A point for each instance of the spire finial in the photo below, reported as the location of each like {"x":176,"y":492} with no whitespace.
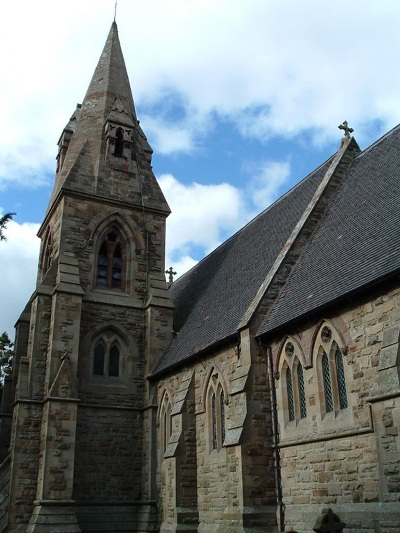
{"x":115,"y":9}
{"x":345,"y":127}
{"x":171,"y":274}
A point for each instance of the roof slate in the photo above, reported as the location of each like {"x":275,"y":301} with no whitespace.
{"x":212,"y":297}
{"x":357,"y":243}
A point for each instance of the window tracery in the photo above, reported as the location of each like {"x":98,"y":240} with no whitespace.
{"x":165,"y":421}
{"x":331,"y":369}
{"x":215,"y":407}
{"x":111,"y":261}
{"x":294,"y":400}
{"x":106,"y":356}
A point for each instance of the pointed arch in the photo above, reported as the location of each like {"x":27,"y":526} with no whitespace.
{"x":165,"y":421}
{"x":47,"y":251}
{"x":111,"y":260}
{"x":108,"y":354}
{"x":215,"y":401}
{"x":328,"y":355}
{"x":119,"y":142}
{"x":291,"y":364}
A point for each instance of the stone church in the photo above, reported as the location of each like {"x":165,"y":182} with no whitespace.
{"x":257,"y":393}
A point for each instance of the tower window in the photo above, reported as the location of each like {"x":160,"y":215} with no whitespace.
{"x":110,"y":262}
{"x":106,"y":359}
{"x":119,"y":142}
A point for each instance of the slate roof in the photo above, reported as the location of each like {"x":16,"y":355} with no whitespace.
{"x":212,"y":297}
{"x":358,"y":242}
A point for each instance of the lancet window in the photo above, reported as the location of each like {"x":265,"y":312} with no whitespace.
{"x":165,"y":421}
{"x":47,"y":252}
{"x":111,"y":261}
{"x":294,"y":394}
{"x":107,"y":357}
{"x":331,"y":369}
{"x":215,"y":406}
{"x":119,"y":142}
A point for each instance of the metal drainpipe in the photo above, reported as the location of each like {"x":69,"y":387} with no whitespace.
{"x":275,"y":444}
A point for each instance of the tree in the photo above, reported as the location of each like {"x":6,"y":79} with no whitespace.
{"x":3,"y":223}
{"x":6,"y":356}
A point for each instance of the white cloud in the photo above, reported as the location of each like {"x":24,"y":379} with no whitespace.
{"x":19,"y":262}
{"x":271,"y":67}
{"x":266,"y":182}
{"x":203,"y":216}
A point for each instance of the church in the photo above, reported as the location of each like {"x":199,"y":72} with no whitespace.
{"x":257,"y":393}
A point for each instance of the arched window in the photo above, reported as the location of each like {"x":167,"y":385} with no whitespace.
{"x":327,"y":384}
{"x":106,"y":357}
{"x":98,"y":359}
{"x":215,"y":406}
{"x":341,"y":379}
{"x":119,"y":142}
{"x":47,"y":253}
{"x":331,"y":369}
{"x":111,"y":262}
{"x":165,"y":422}
{"x":294,"y":399}
{"x":290,"y":396}
{"x":302,"y":393}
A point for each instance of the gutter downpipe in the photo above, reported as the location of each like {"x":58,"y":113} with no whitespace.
{"x":275,"y":443}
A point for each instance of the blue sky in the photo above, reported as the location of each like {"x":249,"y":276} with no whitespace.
{"x":240,"y":99}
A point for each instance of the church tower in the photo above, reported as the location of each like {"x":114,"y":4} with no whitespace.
{"x":82,"y":437}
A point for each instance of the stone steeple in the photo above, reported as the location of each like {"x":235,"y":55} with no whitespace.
{"x":104,"y":138}
{"x":96,"y":325}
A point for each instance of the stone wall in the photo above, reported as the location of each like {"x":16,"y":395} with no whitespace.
{"x":348,"y":459}
{"x":234,"y":484}
{"x":108,"y":456}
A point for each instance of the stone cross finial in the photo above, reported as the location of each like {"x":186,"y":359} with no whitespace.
{"x":171,"y":274}
{"x":345,"y":127}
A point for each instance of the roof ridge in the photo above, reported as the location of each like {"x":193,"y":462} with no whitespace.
{"x":378,"y":141}
{"x":256,"y":217}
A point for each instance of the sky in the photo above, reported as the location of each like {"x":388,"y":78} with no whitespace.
{"x":239,"y":99}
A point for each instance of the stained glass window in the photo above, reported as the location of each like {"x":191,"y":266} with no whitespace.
{"x":110,"y":262}
{"x":341,"y":379}
{"x":302,"y":395}
{"x":289,"y":386}
{"x":222,"y":406}
{"x":327,"y":384}
{"x":214,"y":422}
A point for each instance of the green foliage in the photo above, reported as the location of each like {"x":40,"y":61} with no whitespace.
{"x":6,"y":355}
{"x":3,"y":223}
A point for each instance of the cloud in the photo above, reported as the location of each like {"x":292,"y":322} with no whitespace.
{"x":267,"y":181}
{"x":203,"y":216}
{"x":19,"y":261}
{"x":271,"y":68}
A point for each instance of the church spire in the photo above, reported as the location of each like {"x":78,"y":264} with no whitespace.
{"x":107,"y":139}
{"x":110,"y":81}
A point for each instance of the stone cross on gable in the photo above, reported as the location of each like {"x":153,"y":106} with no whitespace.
{"x":171,"y":274}
{"x":329,"y":523}
{"x":346,"y":129}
